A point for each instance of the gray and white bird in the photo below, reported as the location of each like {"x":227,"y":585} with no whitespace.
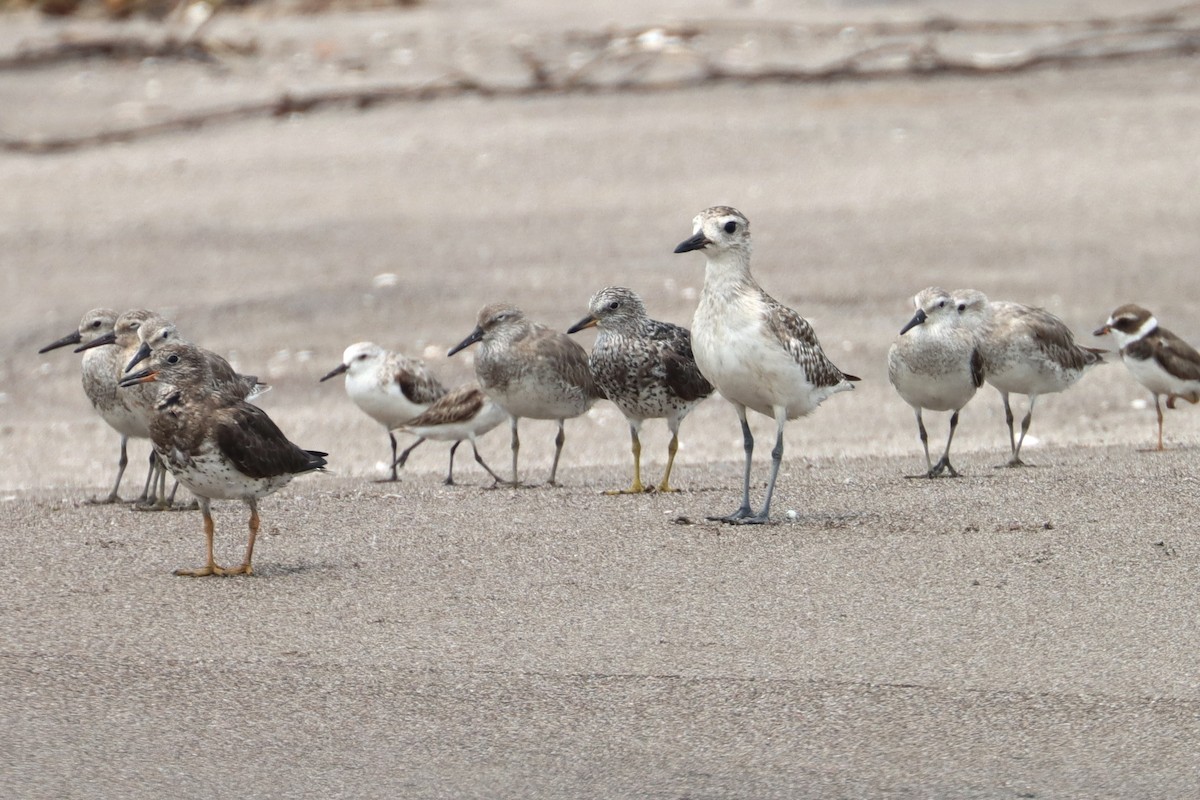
{"x":1029,"y":351}
{"x":935,"y":363}
{"x":532,"y":371}
{"x":645,"y":367}
{"x":1156,"y":358}
{"x":758,"y":353}
{"x":388,"y":387}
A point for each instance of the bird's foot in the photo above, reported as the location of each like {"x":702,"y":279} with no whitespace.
{"x":636,"y":488}
{"x":1012,"y":463}
{"x":664,"y":488}
{"x":203,"y":572}
{"x":244,"y":569}
{"x":743,"y":513}
{"x":393,"y":479}
{"x":104,"y":501}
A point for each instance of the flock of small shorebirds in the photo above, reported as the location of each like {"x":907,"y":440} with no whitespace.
{"x":757,"y":353}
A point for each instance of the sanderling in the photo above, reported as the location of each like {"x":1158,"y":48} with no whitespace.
{"x":101,"y":371}
{"x":389,"y":388}
{"x":758,"y":353}
{"x":645,"y":367}
{"x":935,"y":362}
{"x":219,"y":448}
{"x":1156,"y":358}
{"x":532,"y":371}
{"x":465,"y":413}
{"x":1029,"y":351}
{"x":157,"y":331}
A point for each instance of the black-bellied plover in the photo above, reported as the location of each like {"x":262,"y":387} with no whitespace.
{"x":532,"y":371}
{"x":388,"y":387}
{"x":935,"y":363}
{"x":757,"y":352}
{"x":645,"y":367}
{"x":1029,"y":351}
{"x":1156,"y":358}
{"x":100,"y":372}
{"x":464,"y":413}
{"x":220,"y":449}
{"x":157,"y":331}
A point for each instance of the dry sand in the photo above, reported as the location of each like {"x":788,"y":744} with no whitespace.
{"x":1011,"y":634}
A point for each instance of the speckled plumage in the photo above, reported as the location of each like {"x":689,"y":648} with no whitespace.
{"x":1156,"y":358}
{"x":758,"y":353}
{"x":935,"y":363}
{"x":1029,"y":351}
{"x":219,"y":448}
{"x":531,"y":370}
{"x":645,"y":367}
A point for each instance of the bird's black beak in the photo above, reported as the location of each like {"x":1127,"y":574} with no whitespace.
{"x":107,"y":338}
{"x":141,"y":355}
{"x":917,"y":319}
{"x":475,"y":336}
{"x":70,"y":338}
{"x":145,"y":376}
{"x":697,"y":242}
{"x":333,"y":373}
{"x":587,"y":322}
{"x":1102,"y":330}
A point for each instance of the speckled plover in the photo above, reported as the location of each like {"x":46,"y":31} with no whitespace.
{"x":758,"y":353}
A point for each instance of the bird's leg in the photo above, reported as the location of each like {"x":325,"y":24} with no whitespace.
{"x":210,"y":567}
{"x":1157,"y":408}
{"x":403,"y":459}
{"x":516,"y":448}
{"x":113,"y":497}
{"x":943,"y":464}
{"x":665,"y":486}
{"x":924,"y":434}
{"x":636,"y":487}
{"x":1008,"y":417}
{"x":450,"y":474}
{"x":482,"y":463}
{"x":150,"y":484}
{"x":245,"y":568}
{"x":395,"y":461}
{"x":764,"y":515}
{"x":1016,"y":459}
{"x":743,"y":510}
{"x":558,"y":446}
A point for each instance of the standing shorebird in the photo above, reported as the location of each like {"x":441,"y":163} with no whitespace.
{"x":758,"y":353}
{"x":219,"y":448}
{"x":645,"y":367}
{"x":532,"y":371}
{"x":157,"y":331}
{"x":1029,"y":351}
{"x":1156,"y":358}
{"x":389,"y":388}
{"x":465,"y":413}
{"x":935,"y":362}
{"x":100,"y":372}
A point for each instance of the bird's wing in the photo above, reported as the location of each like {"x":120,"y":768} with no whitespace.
{"x":256,"y":446}
{"x":673,"y":347}
{"x":797,"y":336}
{"x":1177,"y":356}
{"x":417,"y":383}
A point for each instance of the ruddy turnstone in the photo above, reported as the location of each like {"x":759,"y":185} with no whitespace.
{"x":532,"y":371}
{"x":758,"y":353}
{"x":465,"y":413}
{"x":101,"y":372}
{"x":219,"y":448}
{"x":645,"y":367}
{"x":1029,"y":351}
{"x":157,"y":331}
{"x":389,"y":388}
{"x":1156,"y":358}
{"x":935,"y":363}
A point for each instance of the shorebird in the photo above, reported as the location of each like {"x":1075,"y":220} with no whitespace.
{"x":1156,"y":358}
{"x":645,"y":367}
{"x":100,"y":372}
{"x":220,"y":449}
{"x":1029,"y":351}
{"x":757,"y":352}
{"x":157,"y":331}
{"x":465,"y":413}
{"x":935,"y":363}
{"x":389,"y":388}
{"x":532,"y":371}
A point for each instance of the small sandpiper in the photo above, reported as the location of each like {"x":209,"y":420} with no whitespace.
{"x":1156,"y":358}
{"x":757,"y":352}
{"x":532,"y":371}
{"x":157,"y":331}
{"x":465,"y":413}
{"x":100,"y":372}
{"x":388,"y":387}
{"x":220,"y":449}
{"x":1029,"y":351}
{"x":645,"y":367}
{"x":935,"y":363}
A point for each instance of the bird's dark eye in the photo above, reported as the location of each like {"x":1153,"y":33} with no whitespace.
{"x":942,"y":304}
{"x":962,"y":307}
{"x":172,"y":359}
{"x":730,"y":226}
{"x":614,"y":305}
{"x":96,"y":324}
